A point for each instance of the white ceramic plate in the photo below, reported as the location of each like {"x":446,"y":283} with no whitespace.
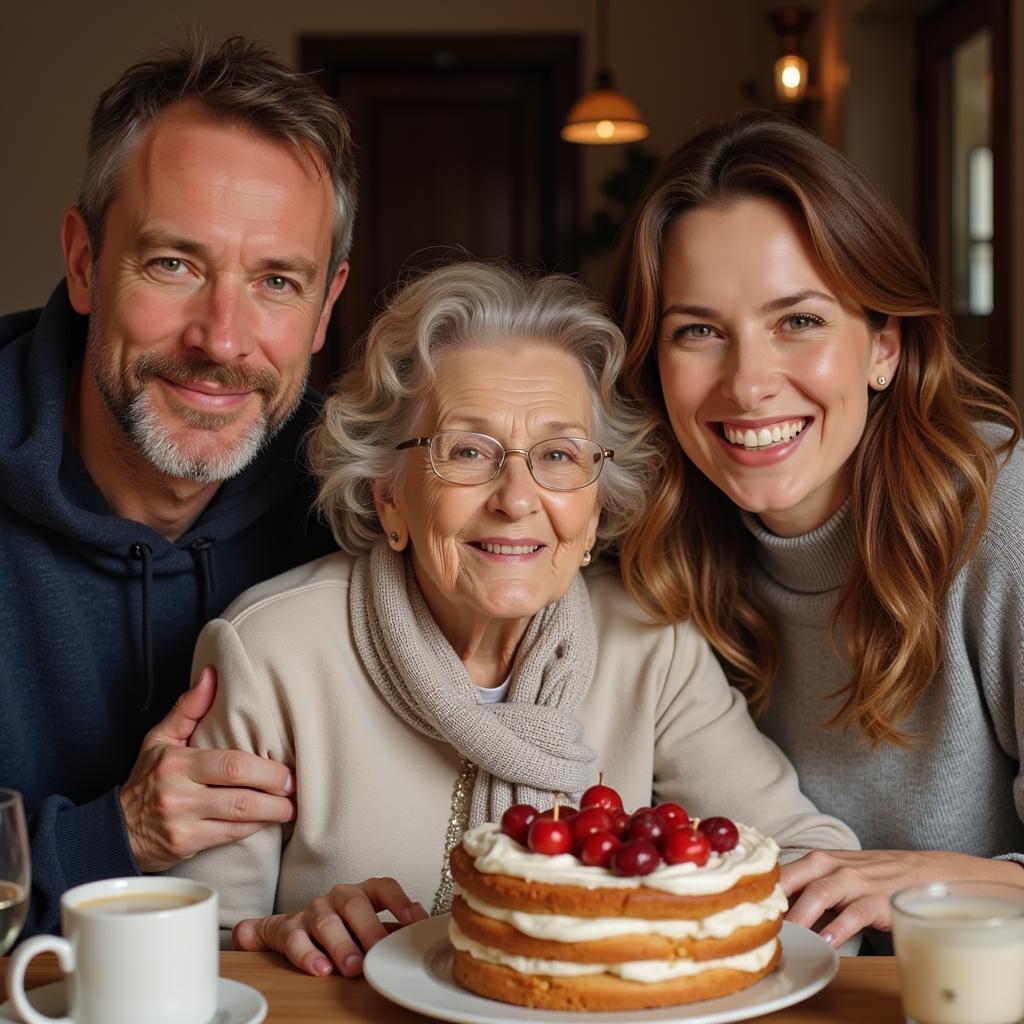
{"x":413,"y":967}
{"x":236,"y":1003}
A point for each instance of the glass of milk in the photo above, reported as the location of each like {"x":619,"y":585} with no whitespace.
{"x":960,"y":948}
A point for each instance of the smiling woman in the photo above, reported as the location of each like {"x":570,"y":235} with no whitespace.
{"x":841,"y":507}
{"x":754,"y":342}
{"x":452,"y":660}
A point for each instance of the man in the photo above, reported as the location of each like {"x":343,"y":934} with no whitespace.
{"x":150,"y":422}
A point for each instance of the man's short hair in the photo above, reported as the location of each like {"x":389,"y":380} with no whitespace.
{"x":238,"y":82}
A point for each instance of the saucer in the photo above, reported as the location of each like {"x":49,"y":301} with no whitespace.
{"x":236,"y":1003}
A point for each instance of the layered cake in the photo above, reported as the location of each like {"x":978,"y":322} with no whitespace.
{"x":548,"y":930}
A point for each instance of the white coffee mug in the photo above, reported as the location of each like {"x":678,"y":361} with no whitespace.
{"x":136,"y":951}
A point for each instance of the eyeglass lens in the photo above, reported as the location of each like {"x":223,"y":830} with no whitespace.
{"x":561,"y":463}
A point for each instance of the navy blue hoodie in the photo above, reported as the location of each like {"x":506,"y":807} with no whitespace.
{"x":98,"y":614}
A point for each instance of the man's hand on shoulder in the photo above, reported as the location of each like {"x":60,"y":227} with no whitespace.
{"x":178,"y":800}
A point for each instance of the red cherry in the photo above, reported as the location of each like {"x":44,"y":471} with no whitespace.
{"x":549,"y":837}
{"x":565,"y":811}
{"x":597,"y":849}
{"x":646,"y":825}
{"x":686,"y":846}
{"x":516,"y":821}
{"x":641,"y":810}
{"x":721,"y":832}
{"x":588,"y":821}
{"x":637,"y":857}
{"x":620,"y":822}
{"x":602,"y":796}
{"x":674,"y":815}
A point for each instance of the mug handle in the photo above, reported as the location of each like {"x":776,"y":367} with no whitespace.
{"x":16,"y":974}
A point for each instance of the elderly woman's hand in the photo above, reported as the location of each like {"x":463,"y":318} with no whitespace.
{"x":857,"y":884}
{"x":333,"y":931}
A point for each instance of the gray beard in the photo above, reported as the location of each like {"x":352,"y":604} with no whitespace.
{"x":172,"y":458}
{"x":132,"y":408}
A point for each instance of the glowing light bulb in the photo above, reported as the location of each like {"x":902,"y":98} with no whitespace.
{"x":604,"y":129}
{"x":790,"y":78}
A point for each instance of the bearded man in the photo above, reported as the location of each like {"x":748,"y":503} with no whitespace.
{"x":150,"y":466}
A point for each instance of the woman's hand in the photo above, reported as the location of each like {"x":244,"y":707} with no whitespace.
{"x":333,"y":931}
{"x":857,"y":884}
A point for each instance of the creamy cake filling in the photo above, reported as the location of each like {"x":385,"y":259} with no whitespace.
{"x":495,"y":853}
{"x":643,"y":971}
{"x":563,"y":928}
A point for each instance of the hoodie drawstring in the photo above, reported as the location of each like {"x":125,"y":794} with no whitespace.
{"x":202,"y":548}
{"x":145,"y":553}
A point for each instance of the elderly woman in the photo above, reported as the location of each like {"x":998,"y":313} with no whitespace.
{"x":452,"y":660}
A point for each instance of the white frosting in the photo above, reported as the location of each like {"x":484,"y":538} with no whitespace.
{"x":562,"y":928}
{"x":495,"y":853}
{"x":644,"y":971}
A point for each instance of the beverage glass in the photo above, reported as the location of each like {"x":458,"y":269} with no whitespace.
{"x":14,"y":868}
{"x":135,"y":951}
{"x":960,"y":948}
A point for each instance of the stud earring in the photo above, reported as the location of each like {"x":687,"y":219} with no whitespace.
{"x":394,"y":537}
{"x":586,"y":557}
{"x":881,"y":381}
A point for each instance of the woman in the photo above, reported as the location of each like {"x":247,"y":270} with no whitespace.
{"x":452,"y":661}
{"x":842,"y":513}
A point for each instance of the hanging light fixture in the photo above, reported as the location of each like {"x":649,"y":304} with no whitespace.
{"x":604,"y":116}
{"x":791,"y":67}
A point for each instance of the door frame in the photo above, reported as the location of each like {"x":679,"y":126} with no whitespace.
{"x":938,"y":34}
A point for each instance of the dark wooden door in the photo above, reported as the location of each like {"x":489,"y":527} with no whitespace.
{"x":458,"y":154}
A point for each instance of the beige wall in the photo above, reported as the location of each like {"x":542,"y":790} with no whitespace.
{"x":682,"y":61}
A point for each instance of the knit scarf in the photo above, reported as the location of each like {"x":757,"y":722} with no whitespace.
{"x":528,"y":747}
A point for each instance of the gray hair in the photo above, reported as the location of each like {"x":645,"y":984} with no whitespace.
{"x":237,"y":82}
{"x":377,"y":404}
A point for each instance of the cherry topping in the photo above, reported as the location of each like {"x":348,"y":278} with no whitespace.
{"x":646,"y":825}
{"x":565,"y":811}
{"x":721,"y":832}
{"x":516,"y":821}
{"x":549,"y":837}
{"x":620,"y":822}
{"x":597,"y":849}
{"x":686,"y":845}
{"x":602,"y":796}
{"x":674,"y":815}
{"x":588,"y":821}
{"x":637,"y":857}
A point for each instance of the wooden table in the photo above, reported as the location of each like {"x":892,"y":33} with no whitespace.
{"x":865,"y":989}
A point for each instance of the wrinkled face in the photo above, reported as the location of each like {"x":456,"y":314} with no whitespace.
{"x":765,"y":368}
{"x":207,"y":298}
{"x":521,"y":392}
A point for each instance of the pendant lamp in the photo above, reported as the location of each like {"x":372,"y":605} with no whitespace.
{"x":604,"y":117}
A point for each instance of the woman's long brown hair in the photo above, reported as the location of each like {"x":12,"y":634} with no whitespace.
{"x":921,"y":476}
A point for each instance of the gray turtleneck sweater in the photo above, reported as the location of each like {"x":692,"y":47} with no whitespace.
{"x":960,"y":787}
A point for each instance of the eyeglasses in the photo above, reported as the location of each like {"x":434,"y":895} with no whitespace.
{"x":467,"y":458}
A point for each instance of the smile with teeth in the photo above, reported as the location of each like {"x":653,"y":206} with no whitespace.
{"x":763,"y":436}
{"x":509,"y":549}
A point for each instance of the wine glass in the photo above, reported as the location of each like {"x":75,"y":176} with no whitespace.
{"x":14,"y":868}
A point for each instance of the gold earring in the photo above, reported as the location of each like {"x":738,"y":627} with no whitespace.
{"x":881,"y":381}
{"x":586,"y":557}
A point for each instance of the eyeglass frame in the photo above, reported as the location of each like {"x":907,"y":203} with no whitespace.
{"x":425,"y":442}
